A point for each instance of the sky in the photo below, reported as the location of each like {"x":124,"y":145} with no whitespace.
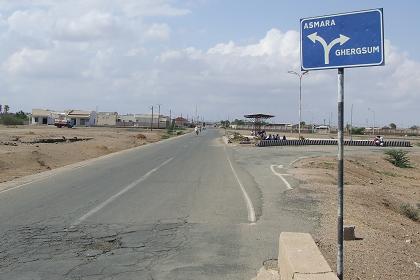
{"x":225,"y":58}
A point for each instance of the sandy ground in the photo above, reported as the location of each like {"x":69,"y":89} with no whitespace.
{"x":388,"y":243}
{"x":19,"y":157}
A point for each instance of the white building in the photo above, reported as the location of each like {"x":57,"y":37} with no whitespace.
{"x":43,"y":116}
{"x":143,"y":120}
{"x":106,"y":118}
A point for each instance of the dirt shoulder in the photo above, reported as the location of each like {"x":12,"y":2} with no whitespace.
{"x":23,"y":153}
{"x":388,"y":245}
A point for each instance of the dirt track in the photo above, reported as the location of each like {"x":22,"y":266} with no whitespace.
{"x":20,"y":155}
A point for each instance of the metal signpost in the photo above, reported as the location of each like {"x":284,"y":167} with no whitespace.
{"x":341,"y":41}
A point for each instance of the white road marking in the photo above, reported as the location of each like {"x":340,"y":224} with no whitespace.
{"x":115,"y":196}
{"x":281,"y":176}
{"x":27,"y":183}
{"x":299,"y":158}
{"x":249,"y":206}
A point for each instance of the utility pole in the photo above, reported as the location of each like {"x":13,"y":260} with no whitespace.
{"x":300,"y":75}
{"x":170,"y":118}
{"x":151,"y":121}
{"x":351,"y":123}
{"x":196,"y":113}
{"x":373,"y":127}
{"x":159,"y":114}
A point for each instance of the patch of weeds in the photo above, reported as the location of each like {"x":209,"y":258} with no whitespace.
{"x":409,"y":211}
{"x":140,"y":136}
{"x":179,"y":133}
{"x":418,"y":144}
{"x":389,"y":174}
{"x":165,"y":136}
{"x":398,"y":158}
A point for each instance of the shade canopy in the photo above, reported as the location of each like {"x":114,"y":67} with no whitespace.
{"x":257,"y":120}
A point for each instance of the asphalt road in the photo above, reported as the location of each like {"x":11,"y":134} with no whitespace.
{"x":187,"y":208}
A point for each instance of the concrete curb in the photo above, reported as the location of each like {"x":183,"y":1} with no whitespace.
{"x":299,"y":259}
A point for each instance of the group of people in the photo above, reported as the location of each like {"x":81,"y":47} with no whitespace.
{"x":379,"y":140}
{"x":275,"y":137}
{"x":263,"y":135}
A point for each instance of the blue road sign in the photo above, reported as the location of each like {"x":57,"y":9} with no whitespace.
{"x":343,"y":40}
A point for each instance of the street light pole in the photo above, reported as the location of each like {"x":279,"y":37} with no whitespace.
{"x":300,"y":75}
{"x":373,"y":128}
{"x":158,"y":115}
{"x":151,"y":121}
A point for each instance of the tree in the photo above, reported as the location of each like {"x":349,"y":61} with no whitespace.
{"x":6,"y":109}
{"x":238,"y":122}
{"x":21,"y":115}
{"x":358,"y":130}
{"x":1,"y":108}
{"x":225,"y":123}
{"x":414,"y":127}
{"x":393,"y":126}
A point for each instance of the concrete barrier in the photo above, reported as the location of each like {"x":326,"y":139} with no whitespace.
{"x":295,"y":142}
{"x":300,"y":258}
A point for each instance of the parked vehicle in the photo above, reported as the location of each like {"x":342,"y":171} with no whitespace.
{"x":62,"y":121}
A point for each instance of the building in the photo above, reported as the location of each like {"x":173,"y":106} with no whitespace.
{"x":43,"y":116}
{"x":143,"y":120}
{"x":180,"y":121}
{"x":106,"y":118}
{"x":124,"y":120}
{"x":81,"y":118}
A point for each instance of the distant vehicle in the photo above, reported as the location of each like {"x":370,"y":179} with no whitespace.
{"x":62,"y":121}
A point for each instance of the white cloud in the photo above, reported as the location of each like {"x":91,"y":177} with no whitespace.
{"x":93,"y":25}
{"x":158,"y":31}
{"x":117,"y":55}
{"x":25,"y":60}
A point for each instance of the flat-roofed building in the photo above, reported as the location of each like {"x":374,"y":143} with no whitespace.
{"x":43,"y":116}
{"x":80,"y":117}
{"x":106,"y":118}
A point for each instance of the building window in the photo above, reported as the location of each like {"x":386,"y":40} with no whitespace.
{"x":44,"y":120}
{"x":36,"y":119}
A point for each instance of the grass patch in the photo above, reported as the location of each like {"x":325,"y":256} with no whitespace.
{"x":398,"y":158}
{"x":409,"y":211}
{"x":388,"y":174}
{"x":165,"y":136}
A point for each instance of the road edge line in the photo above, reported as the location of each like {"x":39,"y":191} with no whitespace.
{"x":40,"y":176}
{"x":248,"y":202}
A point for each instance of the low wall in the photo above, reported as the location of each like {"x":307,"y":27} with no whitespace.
{"x":296,"y":142}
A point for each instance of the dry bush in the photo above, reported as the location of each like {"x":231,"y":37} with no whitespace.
{"x":140,"y":136}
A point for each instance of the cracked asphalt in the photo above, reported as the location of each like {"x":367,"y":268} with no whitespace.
{"x":186,"y":220}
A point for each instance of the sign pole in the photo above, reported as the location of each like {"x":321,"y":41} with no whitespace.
{"x":340,"y":179}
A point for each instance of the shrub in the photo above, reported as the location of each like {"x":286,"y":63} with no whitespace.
{"x":165,"y":136}
{"x":358,"y":130}
{"x":8,"y":119}
{"x":409,"y":211}
{"x":398,"y":158}
{"x":140,"y":136}
{"x":179,"y":133}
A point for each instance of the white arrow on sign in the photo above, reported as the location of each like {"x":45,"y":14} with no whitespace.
{"x":340,"y":40}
